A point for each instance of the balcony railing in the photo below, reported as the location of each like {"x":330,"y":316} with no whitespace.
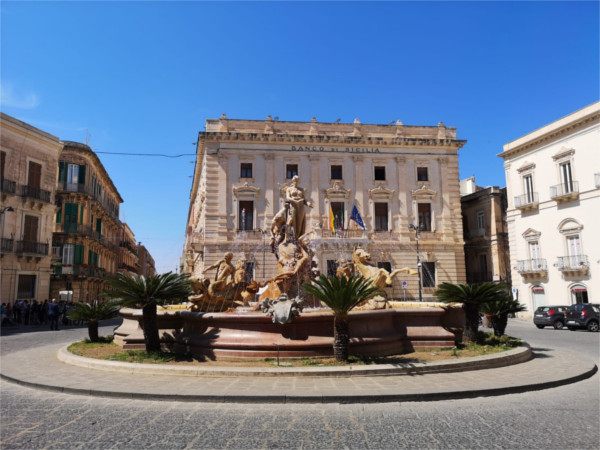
{"x":35,"y":193}
{"x":79,"y":270}
{"x":573,"y":263}
{"x":8,"y":186}
{"x":32,"y":248}
{"x":7,"y":245}
{"x":111,"y":209}
{"x":564,"y":191}
{"x":85,"y":230}
{"x":531,"y":266}
{"x":527,"y":201}
{"x":479,"y":232}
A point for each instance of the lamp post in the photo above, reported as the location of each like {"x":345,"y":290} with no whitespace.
{"x":416,"y":229}
{"x":264,"y":233}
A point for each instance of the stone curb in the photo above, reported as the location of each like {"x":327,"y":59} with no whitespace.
{"x":496,"y":360}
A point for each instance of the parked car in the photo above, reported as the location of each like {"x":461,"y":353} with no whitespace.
{"x":583,"y":315}
{"x":550,"y":315}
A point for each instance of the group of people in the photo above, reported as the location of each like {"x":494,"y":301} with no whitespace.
{"x":24,"y":312}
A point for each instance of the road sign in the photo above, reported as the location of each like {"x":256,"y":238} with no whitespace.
{"x":404,"y":284}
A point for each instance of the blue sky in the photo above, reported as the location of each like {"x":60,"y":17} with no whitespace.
{"x":142,"y":77}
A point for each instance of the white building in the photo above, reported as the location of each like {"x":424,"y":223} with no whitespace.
{"x":553,"y":188}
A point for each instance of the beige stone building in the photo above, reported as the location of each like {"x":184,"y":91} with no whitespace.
{"x":146,"y":261}
{"x":395,"y":175}
{"x":28,"y":171}
{"x":87,"y":230}
{"x":553,"y":189}
{"x":129,"y":262}
{"x":487,"y":256}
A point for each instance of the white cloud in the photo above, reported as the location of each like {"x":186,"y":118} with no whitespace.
{"x":12,"y":98}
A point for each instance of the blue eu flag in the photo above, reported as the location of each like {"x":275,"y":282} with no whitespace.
{"x":356,"y":217}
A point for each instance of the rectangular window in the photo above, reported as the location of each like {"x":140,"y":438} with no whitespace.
{"x":332,"y":266}
{"x":428,"y":274}
{"x":422,"y":174}
{"x":34,"y":177}
{"x":291,"y":170}
{"x":483,"y":266}
{"x":338,"y":215}
{"x":534,"y":250}
{"x":379,"y":173}
{"x":71,"y":217}
{"x":26,"y":288}
{"x":565,"y":177}
{"x":336,"y":172}
{"x":480,"y":220}
{"x":72,"y":177}
{"x":425,"y":216}
{"x":30,"y":229}
{"x":78,"y":254}
{"x":385,"y":265}
{"x":246,"y":170}
{"x":381,"y":217}
{"x":68,"y":254}
{"x":528,"y":185}
{"x":246,"y":216}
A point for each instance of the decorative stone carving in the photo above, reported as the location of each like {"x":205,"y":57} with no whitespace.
{"x":246,"y":190}
{"x":337,"y":191}
{"x":283,"y":310}
{"x":424,"y":193}
{"x":381,"y":193}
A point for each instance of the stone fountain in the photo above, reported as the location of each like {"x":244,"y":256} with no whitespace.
{"x":276,"y":323}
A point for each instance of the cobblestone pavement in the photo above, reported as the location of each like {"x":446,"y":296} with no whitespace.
{"x":565,"y":417}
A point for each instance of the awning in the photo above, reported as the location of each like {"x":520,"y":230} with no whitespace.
{"x":579,"y":290}
{"x":538,"y":289}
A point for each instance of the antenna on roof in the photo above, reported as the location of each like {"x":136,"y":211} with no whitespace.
{"x":337,"y":120}
{"x":88,"y":136}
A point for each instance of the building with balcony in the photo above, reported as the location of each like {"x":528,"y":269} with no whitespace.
{"x":129,"y":263}
{"x":487,"y":256}
{"x":145,"y":261}
{"x":395,"y":175}
{"x":553,"y":200}
{"x":28,"y":170}
{"x":87,"y":230}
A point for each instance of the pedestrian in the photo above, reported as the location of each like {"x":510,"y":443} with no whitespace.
{"x":53,"y":313}
{"x":45,"y":312}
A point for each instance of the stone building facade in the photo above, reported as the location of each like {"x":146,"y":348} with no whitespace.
{"x":129,"y":262}
{"x":395,"y":175}
{"x":553,"y":189}
{"x":87,"y":230}
{"x":28,"y":171}
{"x":145,"y":261}
{"x":487,"y":256}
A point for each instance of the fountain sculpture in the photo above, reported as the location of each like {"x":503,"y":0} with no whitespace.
{"x":212,"y":327}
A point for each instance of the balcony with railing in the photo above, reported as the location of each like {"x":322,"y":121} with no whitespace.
{"x":7,"y":245}
{"x":85,"y":230}
{"x":79,"y":270}
{"x":8,"y":186}
{"x":564,"y":191}
{"x":479,"y":232}
{"x":532,"y":266}
{"x":32,"y":248}
{"x":64,"y":186}
{"x":110,"y":208}
{"x":578,"y":263}
{"x":35,"y":193}
{"x":527,"y":201}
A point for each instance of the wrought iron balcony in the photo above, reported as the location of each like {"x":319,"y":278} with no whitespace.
{"x":527,"y":201}
{"x":79,"y":270}
{"x":564,"y":191}
{"x":8,"y":186}
{"x":7,"y":245}
{"x":578,"y":263}
{"x":35,"y":193}
{"x":32,"y":248}
{"x":479,"y":232}
{"x":64,"y":186}
{"x":532,"y":266}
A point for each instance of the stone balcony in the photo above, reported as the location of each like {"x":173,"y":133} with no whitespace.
{"x":527,"y":202}
{"x":573,"y":264}
{"x":565,"y":191}
{"x":532,"y":267}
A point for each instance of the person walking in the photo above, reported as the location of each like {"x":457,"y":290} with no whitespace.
{"x":53,"y":314}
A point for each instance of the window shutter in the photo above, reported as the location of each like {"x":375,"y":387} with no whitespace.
{"x":78,"y":254}
{"x":62,"y":171}
{"x":81,"y":208}
{"x":81,"y":179}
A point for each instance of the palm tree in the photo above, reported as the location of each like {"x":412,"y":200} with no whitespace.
{"x":472,"y":296}
{"x":341,"y":294}
{"x":148,"y":292}
{"x":93,"y":313}
{"x":499,"y":309}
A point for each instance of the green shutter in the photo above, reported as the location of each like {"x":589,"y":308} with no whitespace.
{"x":90,"y":258}
{"x":81,"y":208}
{"x":99,"y":225}
{"x":78,"y":254}
{"x":58,"y":216}
{"x":62,"y":171}
{"x":81,"y":179}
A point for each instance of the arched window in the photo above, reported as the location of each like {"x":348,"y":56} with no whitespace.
{"x":538,"y":296}
{"x":579,"y":294}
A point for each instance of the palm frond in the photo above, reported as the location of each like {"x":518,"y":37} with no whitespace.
{"x":94,"y":311}
{"x":138,"y":289}
{"x":341,"y":294}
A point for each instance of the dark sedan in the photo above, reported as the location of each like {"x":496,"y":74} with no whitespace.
{"x":550,"y":316}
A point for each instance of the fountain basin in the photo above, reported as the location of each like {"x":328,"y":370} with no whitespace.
{"x":234,"y":336}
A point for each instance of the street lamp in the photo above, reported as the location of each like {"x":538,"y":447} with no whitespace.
{"x":264,"y":233}
{"x":416,"y":229}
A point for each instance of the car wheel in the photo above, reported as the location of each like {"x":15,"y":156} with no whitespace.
{"x":592,"y":325}
{"x":558,"y":325}
{"x":539,"y":326}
